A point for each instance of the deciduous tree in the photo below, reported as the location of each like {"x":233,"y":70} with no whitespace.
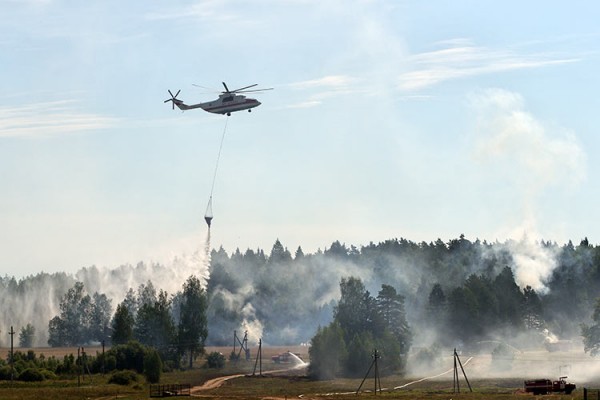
{"x":192,"y":330}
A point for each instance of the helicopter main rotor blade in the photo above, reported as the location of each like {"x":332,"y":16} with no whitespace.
{"x":245,"y":87}
{"x":226,"y":88}
{"x":209,"y":90}
{"x":253,"y":90}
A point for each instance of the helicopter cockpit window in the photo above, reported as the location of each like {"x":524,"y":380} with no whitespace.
{"x":228,"y":98}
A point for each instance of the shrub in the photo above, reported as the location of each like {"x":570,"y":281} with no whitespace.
{"x":21,"y":365}
{"x":215,"y":360}
{"x":128,"y":356}
{"x":124,"y":377}
{"x":110,"y":363}
{"x":31,"y":375}
{"x":233,"y":356}
{"x":152,"y":366}
{"x":5,"y":373}
{"x":48,"y":374}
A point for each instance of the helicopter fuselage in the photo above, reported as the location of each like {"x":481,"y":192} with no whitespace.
{"x":229,"y":101}
{"x":225,"y":104}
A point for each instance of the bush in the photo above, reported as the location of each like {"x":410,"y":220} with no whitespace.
{"x":48,"y":374}
{"x":124,"y":377}
{"x":31,"y":375}
{"x":215,"y":360}
{"x":5,"y":373}
{"x":110,"y":363}
{"x":152,"y":366}
{"x":128,"y":356}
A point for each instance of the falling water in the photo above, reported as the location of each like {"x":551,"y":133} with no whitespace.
{"x":207,"y":250}
{"x":297,"y":360}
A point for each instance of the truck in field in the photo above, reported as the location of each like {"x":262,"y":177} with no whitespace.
{"x":287,"y":357}
{"x":545,"y":386}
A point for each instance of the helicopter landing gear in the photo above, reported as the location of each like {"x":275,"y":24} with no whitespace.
{"x":229,"y":114}
{"x":249,"y":110}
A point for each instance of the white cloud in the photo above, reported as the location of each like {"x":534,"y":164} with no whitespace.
{"x":47,"y":119}
{"x":216,"y":11}
{"x":305,"y":104}
{"x":460,"y":59}
{"x":323,"y":88}
{"x":330,"y":81}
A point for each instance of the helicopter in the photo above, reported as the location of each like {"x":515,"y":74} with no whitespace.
{"x":229,"y":101}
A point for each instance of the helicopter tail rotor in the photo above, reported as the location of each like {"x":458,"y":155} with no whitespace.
{"x":174,"y":99}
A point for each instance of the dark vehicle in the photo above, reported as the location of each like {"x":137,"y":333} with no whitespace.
{"x":545,"y":386}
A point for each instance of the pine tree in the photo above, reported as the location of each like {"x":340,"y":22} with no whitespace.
{"x":122,"y":325}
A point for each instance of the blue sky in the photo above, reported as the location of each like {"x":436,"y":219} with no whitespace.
{"x":388,"y":119}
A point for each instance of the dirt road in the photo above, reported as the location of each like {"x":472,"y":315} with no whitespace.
{"x":218,"y":382}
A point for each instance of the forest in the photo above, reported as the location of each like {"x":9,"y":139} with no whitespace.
{"x":454,"y":293}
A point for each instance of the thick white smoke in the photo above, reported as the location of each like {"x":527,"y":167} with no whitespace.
{"x":534,"y":263}
{"x":251,"y":324}
{"x":516,"y":149}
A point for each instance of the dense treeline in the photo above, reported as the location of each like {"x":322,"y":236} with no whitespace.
{"x":172,"y":325}
{"x":454,"y":293}
{"x":467,"y":290}
{"x":35,"y":299}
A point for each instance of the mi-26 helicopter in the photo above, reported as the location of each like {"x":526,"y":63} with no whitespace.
{"x":229,"y":101}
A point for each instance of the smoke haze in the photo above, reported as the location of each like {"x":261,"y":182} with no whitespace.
{"x":36,"y":299}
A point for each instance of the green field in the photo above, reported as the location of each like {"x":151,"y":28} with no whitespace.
{"x":280,"y":381}
{"x":281,"y":386}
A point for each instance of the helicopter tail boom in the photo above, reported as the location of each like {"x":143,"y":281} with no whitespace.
{"x":179,"y":103}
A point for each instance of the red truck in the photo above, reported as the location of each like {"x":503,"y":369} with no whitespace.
{"x":544,"y":386}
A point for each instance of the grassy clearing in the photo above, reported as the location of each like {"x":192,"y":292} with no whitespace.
{"x":293,"y":387}
{"x":68,"y":390}
{"x":280,"y":385}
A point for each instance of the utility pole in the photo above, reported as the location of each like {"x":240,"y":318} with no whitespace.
{"x":12,"y":358}
{"x":234,"y":342}
{"x":246,"y":349}
{"x":258,"y":359}
{"x":103,"y":359}
{"x":456,"y":383}
{"x":376,"y":356}
{"x":78,"y":366}
{"x":243,"y":345}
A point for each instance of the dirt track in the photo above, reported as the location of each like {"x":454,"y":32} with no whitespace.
{"x":213,"y":383}
{"x":218,"y":382}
